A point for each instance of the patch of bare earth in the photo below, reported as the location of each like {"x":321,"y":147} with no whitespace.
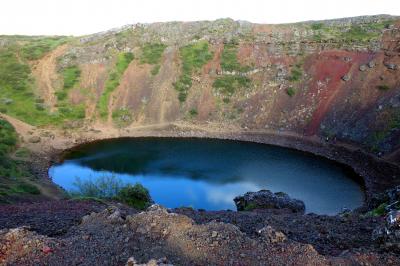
{"x":45,"y":72}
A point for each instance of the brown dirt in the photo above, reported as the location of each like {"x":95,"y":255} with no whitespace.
{"x":112,"y":236}
{"x":46,"y":76}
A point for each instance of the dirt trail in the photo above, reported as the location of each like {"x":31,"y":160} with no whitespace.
{"x":45,"y":73}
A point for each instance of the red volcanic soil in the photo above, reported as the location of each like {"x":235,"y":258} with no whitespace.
{"x":327,"y":70}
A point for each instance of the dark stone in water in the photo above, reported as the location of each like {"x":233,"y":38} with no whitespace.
{"x":265,"y":199}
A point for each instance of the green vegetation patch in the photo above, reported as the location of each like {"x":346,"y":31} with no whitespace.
{"x":122,"y":117}
{"x":291,"y":91}
{"x":136,"y":196}
{"x":16,"y":90}
{"x":229,"y":61}
{"x":227,"y":85}
{"x":111,"y":187}
{"x":123,"y":61}
{"x":193,"y":57}
{"x":155,"y":70}
{"x":71,"y":76}
{"x":67,"y":110}
{"x":12,"y":173}
{"x":296,"y":73}
{"x":37,"y":48}
{"x":362,"y":32}
{"x":152,"y":53}
{"x":383,"y":87}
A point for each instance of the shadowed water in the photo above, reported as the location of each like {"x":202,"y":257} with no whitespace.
{"x":208,"y":174}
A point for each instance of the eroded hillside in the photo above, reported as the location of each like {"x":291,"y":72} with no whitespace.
{"x":338,"y":80}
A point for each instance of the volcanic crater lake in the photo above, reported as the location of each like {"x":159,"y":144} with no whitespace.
{"x":209,"y":173}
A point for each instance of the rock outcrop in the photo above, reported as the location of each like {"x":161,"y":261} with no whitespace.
{"x":265,"y":199}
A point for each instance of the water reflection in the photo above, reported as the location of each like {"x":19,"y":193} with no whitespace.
{"x":208,"y":174}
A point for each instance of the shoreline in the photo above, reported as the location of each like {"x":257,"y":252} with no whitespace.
{"x":376,"y":174}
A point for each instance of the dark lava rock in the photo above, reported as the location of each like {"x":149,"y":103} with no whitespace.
{"x":265,"y":199}
{"x":388,"y":236}
{"x":391,"y":66}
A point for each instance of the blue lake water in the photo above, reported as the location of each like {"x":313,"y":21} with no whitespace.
{"x":208,"y":174}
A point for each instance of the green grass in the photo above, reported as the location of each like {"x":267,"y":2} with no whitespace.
{"x":152,"y":53}
{"x":37,"y":48}
{"x":355,"y":33}
{"x":123,"y":61}
{"x":229,"y":61}
{"x":383,"y":87}
{"x":13,"y":173}
{"x":122,"y":117}
{"x":67,"y":110}
{"x":227,"y":85}
{"x":193,"y":112}
{"x":193,"y":57}
{"x":296,"y":73}
{"x":71,"y":76}
{"x":155,"y":70}
{"x":291,"y":91}
{"x":378,"y":211}
{"x":111,"y":187}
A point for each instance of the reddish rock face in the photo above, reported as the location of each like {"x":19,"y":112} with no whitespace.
{"x":335,"y":80}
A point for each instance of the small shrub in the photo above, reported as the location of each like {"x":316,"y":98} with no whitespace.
{"x":122,"y":117}
{"x":291,"y":91}
{"x":71,"y":76}
{"x":193,"y":112}
{"x":229,"y":61}
{"x":151,"y":53}
{"x":295,"y":74}
{"x":317,"y":26}
{"x":155,"y":70}
{"x":378,"y":211}
{"x":106,"y":186}
{"x":136,"y":196}
{"x":383,"y":87}
{"x":228,"y":85}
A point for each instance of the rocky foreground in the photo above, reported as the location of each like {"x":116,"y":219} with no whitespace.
{"x":73,"y":232}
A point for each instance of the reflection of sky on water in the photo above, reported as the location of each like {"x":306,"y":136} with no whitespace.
{"x":208,"y":174}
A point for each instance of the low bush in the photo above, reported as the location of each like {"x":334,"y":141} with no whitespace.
{"x":136,"y":196}
{"x":291,"y":91}
{"x":227,"y":85}
{"x":152,"y":53}
{"x":111,"y":187}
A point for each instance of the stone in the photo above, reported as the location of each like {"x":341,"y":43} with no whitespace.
{"x":371,"y":64}
{"x":391,"y":66}
{"x":265,"y":199}
{"x":346,"y":77}
{"x":34,"y":139}
{"x":388,"y":236}
{"x":272,"y":236}
{"x":363,"y":68}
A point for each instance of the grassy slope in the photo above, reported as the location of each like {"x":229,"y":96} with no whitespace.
{"x":14,"y":177}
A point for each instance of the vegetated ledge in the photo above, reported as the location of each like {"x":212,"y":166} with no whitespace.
{"x":375,"y":174}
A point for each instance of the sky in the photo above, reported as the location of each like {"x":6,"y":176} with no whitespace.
{"x":79,"y":17}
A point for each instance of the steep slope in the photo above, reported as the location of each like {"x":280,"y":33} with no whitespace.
{"x":337,"y":80}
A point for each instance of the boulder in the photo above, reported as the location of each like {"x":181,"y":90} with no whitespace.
{"x":346,"y":77}
{"x":388,"y":236}
{"x":391,"y":66}
{"x":34,"y":139}
{"x":265,"y":199}
{"x":371,"y":64}
{"x":363,"y":68}
{"x":270,"y":235}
